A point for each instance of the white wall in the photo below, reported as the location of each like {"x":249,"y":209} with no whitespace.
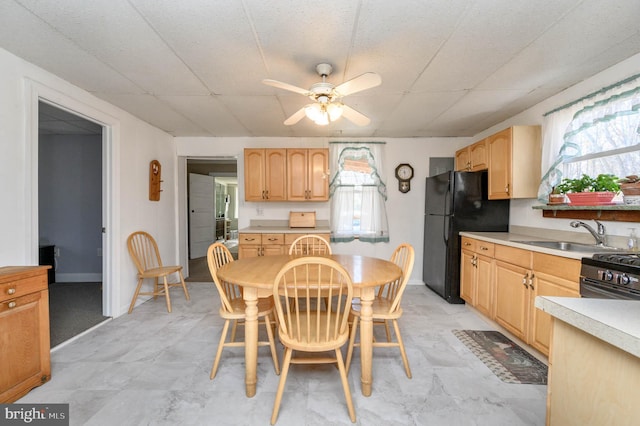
{"x":405,"y":211}
{"x":132,"y":145}
{"x":521,"y":212}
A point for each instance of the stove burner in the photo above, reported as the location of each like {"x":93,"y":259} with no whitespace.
{"x":631,"y":259}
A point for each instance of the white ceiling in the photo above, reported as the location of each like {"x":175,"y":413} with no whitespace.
{"x":448,"y":67}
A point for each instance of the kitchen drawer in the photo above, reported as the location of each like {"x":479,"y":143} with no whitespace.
{"x":468,"y":244}
{"x":484,"y":248}
{"x":513,"y":255}
{"x":268,"y":239}
{"x":21,"y":285}
{"x":250,"y":239}
{"x":560,"y":267}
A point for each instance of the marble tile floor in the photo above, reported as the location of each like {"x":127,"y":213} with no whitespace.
{"x":152,"y":368}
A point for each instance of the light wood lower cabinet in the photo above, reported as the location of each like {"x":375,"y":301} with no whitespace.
{"x":259,"y":244}
{"x":502,"y":283}
{"x":268,"y":244}
{"x":24,"y":330}
{"x":476,"y":273}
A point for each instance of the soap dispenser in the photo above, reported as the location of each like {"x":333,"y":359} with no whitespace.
{"x":632,"y":242}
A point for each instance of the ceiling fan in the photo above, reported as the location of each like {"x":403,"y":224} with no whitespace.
{"x":327,"y":103}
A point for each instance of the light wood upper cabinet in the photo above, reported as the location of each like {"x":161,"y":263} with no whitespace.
{"x":473,"y":157}
{"x":463,"y":162}
{"x":514,"y":162}
{"x":265,"y":174}
{"x":307,"y":174}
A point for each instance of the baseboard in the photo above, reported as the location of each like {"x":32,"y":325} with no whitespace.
{"x":79,"y":278}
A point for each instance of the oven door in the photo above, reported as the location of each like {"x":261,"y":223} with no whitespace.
{"x":598,"y":290}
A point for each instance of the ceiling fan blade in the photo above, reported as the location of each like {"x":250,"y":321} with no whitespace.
{"x":359,"y":83}
{"x":297,"y":116}
{"x":286,"y":86}
{"x":354,"y":116}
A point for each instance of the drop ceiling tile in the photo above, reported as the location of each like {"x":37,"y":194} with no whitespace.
{"x":208,"y":112}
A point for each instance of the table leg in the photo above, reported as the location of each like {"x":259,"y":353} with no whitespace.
{"x":366,"y":339}
{"x":250,"y":296}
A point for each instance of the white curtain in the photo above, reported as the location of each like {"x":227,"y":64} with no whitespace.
{"x":358,"y":193}
{"x":597,"y":134}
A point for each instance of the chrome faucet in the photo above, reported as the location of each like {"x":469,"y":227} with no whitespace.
{"x":600,"y":235}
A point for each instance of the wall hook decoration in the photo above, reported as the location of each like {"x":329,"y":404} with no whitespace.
{"x":155,"y":172}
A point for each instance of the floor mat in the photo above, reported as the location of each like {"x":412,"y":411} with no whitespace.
{"x":507,"y":360}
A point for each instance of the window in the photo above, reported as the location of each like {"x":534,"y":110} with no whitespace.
{"x":596,"y":134}
{"x":358,"y":192}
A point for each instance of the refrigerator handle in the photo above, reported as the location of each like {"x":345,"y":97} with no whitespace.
{"x":445,"y":228}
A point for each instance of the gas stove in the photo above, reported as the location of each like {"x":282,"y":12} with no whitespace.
{"x":611,"y":276}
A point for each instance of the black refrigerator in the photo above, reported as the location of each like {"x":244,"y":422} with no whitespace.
{"x":456,"y":201}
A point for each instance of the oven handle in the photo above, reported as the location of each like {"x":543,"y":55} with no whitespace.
{"x":595,"y":292}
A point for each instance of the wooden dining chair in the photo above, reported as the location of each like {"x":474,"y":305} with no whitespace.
{"x":303,"y":326}
{"x":309,"y":245}
{"x":232,"y":308}
{"x":146,"y":256}
{"x":386,"y":306}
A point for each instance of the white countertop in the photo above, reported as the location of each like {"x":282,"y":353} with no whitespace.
{"x":616,"y":322}
{"x":511,"y":239}
{"x":261,"y":229}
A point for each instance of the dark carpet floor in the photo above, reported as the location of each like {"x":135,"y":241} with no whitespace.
{"x":73,"y":308}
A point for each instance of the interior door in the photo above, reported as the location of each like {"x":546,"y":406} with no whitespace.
{"x":202,"y":220}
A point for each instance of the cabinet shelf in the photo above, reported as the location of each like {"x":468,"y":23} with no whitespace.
{"x":615,"y":213}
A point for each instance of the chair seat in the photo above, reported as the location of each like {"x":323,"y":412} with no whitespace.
{"x":380,"y":308}
{"x":160,"y":271}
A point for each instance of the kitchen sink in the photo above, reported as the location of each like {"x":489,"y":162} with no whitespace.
{"x":569,"y":246}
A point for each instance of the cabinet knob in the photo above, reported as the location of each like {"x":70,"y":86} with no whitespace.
{"x":11,"y":304}
{"x":12,"y":290}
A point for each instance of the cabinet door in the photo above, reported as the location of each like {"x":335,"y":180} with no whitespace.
{"x":512,"y":297}
{"x":24,"y":328}
{"x":276,"y":174}
{"x":467,"y":276}
{"x":479,"y":156}
{"x":254,"y":174}
{"x":318,"y":174}
{"x":500,"y":165}
{"x":297,"y":174}
{"x":546,"y":285}
{"x":463,"y":162}
{"x":484,"y":285}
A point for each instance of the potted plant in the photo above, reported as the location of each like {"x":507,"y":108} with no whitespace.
{"x":557,"y":196}
{"x":589,"y":191}
{"x":630,"y":187}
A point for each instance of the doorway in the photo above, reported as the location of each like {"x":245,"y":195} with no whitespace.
{"x":70,"y":209}
{"x":219,"y":177}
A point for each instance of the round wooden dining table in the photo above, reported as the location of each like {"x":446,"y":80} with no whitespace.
{"x":256,"y":276}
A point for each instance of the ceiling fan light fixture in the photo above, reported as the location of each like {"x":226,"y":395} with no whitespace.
{"x":334,"y":110}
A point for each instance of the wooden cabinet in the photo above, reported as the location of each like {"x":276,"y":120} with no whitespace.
{"x":473,"y":157}
{"x":265,"y":174}
{"x":258,"y":244}
{"x":553,"y":276}
{"x":513,"y":272}
{"x":24,"y":330}
{"x":308,"y":174}
{"x":476,"y":275}
{"x":514,"y":162}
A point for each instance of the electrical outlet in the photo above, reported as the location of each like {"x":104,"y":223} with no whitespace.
{"x":259,"y":211}
{"x":99,"y":252}
{"x":56,"y":251}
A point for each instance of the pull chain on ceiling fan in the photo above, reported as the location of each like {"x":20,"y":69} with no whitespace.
{"x":327,"y":103}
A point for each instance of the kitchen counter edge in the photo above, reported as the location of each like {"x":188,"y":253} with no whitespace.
{"x":616,"y":322}
{"x":511,"y":239}
{"x":284,"y":230}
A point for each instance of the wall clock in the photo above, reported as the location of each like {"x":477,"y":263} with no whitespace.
{"x":404,"y":174}
{"x":155,"y":172}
